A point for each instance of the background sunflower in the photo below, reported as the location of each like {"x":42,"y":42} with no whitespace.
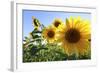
{"x":57,"y":23}
{"x":36,"y":23}
{"x":49,"y":34}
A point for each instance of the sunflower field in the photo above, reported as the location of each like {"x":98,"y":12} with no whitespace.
{"x":60,"y":41}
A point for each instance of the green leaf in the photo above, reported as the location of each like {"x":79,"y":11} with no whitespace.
{"x":45,"y":48}
{"x":72,"y":57}
{"x":67,"y":22}
{"x":36,"y":31}
{"x":36,"y":36}
{"x":26,"y":37}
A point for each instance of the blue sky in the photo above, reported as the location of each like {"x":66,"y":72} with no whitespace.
{"x":46,"y":18}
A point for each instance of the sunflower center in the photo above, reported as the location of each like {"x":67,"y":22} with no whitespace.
{"x":51,"y":34}
{"x":72,"y":36}
{"x":89,"y":40}
{"x":56,"y":24}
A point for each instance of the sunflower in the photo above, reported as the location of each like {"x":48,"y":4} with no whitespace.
{"x":74,"y":35}
{"x":35,"y":23}
{"x":49,"y":34}
{"x":57,"y":23}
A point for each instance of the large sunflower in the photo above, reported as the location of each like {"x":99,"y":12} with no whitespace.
{"x":74,"y":36}
{"x":49,"y":34}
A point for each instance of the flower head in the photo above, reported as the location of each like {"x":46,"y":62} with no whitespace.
{"x":74,"y":35}
{"x":57,"y":24}
{"x":35,"y":23}
{"x":49,"y":34}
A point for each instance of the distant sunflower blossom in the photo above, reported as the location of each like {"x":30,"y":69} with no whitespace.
{"x":35,"y":23}
{"x":57,"y":23}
